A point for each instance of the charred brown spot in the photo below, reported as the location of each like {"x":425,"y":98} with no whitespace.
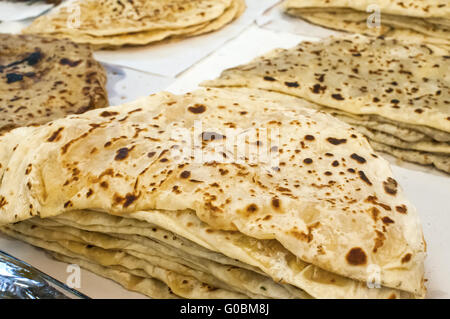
{"x":3,"y":201}
{"x":13,"y":77}
{"x":65,"y":61}
{"x":336,"y":141}
{"x":185,"y":174}
{"x":276,"y":203}
{"x":307,"y":161}
{"x":122,"y":154}
{"x":317,"y":88}
{"x":269,"y":78}
{"x":378,"y":241}
{"x":28,"y":170}
{"x":252,"y":208}
{"x":363,"y":176}
{"x":390,"y":186}
{"x":356,"y":257}
{"x":68,"y":204}
{"x":358,"y":158}
{"x":108,"y":114}
{"x":401,"y":209}
{"x":386,"y":220}
{"x":151,"y":154}
{"x":197,"y":109}
{"x":406,"y":258}
{"x":292,"y":84}
{"x":104,"y":185}
{"x":56,"y":135}
{"x":338,"y":97}
{"x":89,"y":193}
{"x":309,"y":137}
{"x":129,"y":199}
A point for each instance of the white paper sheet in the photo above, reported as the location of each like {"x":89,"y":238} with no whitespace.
{"x":16,"y":11}
{"x":126,"y":85}
{"x":251,"y":43}
{"x":275,"y":19}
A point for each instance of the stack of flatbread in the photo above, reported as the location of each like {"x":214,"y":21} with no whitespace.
{"x":42,"y":79}
{"x":396,"y":93}
{"x":113,"y":23}
{"x":219,"y":193}
{"x":425,"y":20}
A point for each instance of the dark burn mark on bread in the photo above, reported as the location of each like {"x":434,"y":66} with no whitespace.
{"x":68,"y":204}
{"x":108,"y":114}
{"x":358,"y":158}
{"x":401,"y":209}
{"x":356,"y":257}
{"x":3,"y":201}
{"x":317,"y":88}
{"x":338,"y":97}
{"x":269,"y":78}
{"x":292,"y":84}
{"x":197,"y":109}
{"x":252,"y":208}
{"x":276,"y":202}
{"x":309,"y":137}
{"x":406,"y":258}
{"x":56,"y":135}
{"x":307,"y":161}
{"x":66,"y":61}
{"x":390,"y":186}
{"x":122,"y":153}
{"x":129,"y":199}
{"x":13,"y":77}
{"x":363,"y":176}
{"x":336,"y":141}
{"x":185,"y":174}
{"x":386,"y":220}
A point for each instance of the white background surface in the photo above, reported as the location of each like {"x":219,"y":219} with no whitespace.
{"x":428,"y":189}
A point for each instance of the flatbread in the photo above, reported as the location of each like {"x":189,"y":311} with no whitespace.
{"x":181,"y":285}
{"x":413,"y":8}
{"x":110,"y":17}
{"x":215,"y":274}
{"x":150,"y":287}
{"x":406,"y":28}
{"x":327,"y":187}
{"x":43,"y":79}
{"x":145,"y":37}
{"x":402,"y":87}
{"x":412,"y":89}
{"x":441,"y":162}
{"x":267,"y":256}
{"x":139,"y":23}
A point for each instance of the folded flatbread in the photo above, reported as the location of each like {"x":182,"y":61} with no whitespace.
{"x":111,"y":23}
{"x":396,"y":93}
{"x":42,"y":79}
{"x":218,"y":193}
{"x":428,"y":21}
